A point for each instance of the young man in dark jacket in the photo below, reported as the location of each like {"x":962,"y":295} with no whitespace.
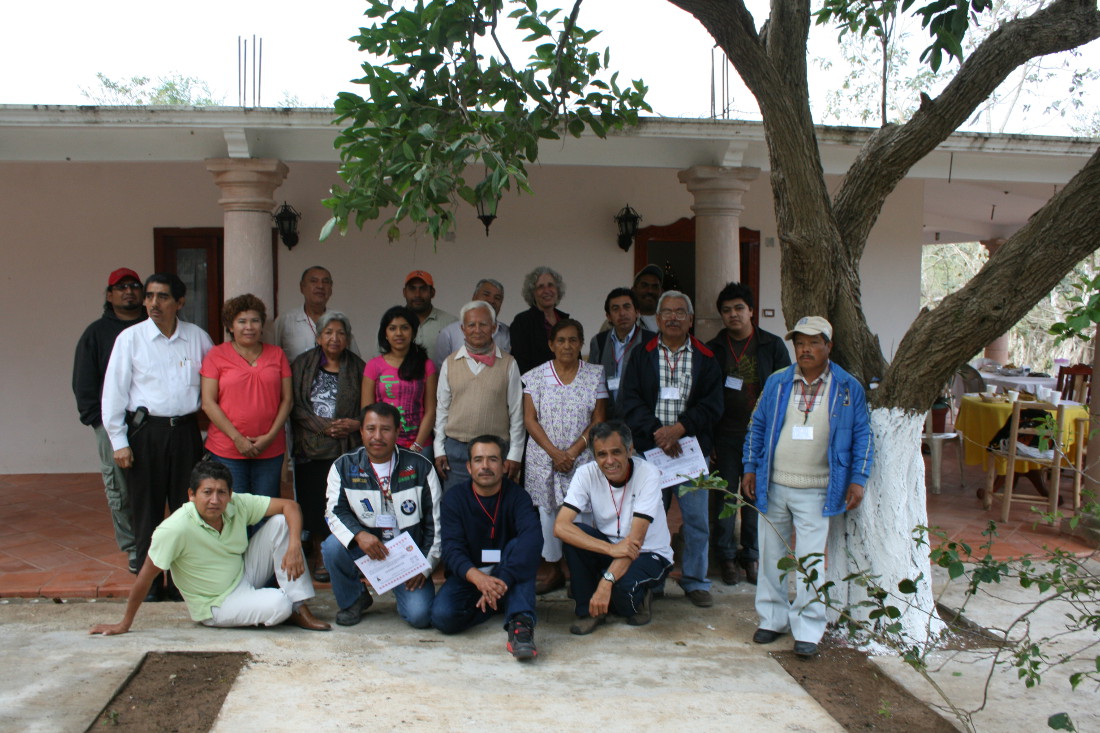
{"x":121,"y":310}
{"x":492,"y":544}
{"x":748,"y":356}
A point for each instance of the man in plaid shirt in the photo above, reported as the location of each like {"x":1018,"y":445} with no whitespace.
{"x":672,"y":390}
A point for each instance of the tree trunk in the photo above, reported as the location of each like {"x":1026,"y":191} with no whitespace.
{"x":868,"y":538}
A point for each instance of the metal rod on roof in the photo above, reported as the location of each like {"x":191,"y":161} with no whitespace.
{"x":260,"y":76}
{"x":240,"y":98}
{"x":253,"y":69}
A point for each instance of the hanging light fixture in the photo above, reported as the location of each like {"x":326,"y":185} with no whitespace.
{"x":487,"y":210}
{"x":627,"y":219}
{"x":286,"y":221}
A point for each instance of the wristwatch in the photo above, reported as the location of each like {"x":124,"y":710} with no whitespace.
{"x":608,"y":576}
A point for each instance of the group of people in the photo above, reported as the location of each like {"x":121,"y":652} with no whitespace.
{"x":499,"y":449}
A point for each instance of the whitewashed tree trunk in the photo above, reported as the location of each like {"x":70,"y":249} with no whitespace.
{"x":876,"y":536}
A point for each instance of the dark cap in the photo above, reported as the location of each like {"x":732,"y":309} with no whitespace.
{"x":652,"y":270}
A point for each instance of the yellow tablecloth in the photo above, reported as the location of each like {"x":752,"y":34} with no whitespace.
{"x":979,"y":421}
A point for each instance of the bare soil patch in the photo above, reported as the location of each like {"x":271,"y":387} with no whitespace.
{"x":173,"y":691}
{"x":857,"y":694}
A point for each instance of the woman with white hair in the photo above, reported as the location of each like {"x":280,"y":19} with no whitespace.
{"x":543,"y":289}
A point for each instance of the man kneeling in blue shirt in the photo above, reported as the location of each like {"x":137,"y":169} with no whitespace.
{"x":492,"y":542}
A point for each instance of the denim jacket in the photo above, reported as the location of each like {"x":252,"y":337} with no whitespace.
{"x":851,"y":445}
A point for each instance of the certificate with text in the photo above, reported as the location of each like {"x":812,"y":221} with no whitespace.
{"x":689,"y":464}
{"x":404,"y":562}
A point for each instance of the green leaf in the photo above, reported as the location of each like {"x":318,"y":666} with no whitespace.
{"x":907,"y":586}
{"x":1060,"y":721}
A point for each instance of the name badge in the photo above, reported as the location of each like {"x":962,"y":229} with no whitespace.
{"x":387,"y":523}
{"x":491,"y":556}
{"x":670,"y":393}
{"x":734,"y":383}
{"x":613,"y":384}
{"x":802,"y":432}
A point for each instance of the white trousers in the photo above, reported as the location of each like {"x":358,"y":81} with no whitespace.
{"x":800,"y":510}
{"x":551,"y":545}
{"x":249,"y":604}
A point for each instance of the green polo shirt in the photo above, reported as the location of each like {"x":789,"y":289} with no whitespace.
{"x":206,"y":564}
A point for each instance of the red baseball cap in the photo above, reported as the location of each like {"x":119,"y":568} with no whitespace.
{"x":119,"y":274}
{"x":422,"y":275}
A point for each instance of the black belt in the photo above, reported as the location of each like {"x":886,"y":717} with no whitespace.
{"x":170,"y":422}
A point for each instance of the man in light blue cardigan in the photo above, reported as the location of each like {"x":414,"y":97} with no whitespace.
{"x":810,"y":443}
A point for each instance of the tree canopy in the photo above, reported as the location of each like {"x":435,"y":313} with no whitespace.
{"x":175,"y":88}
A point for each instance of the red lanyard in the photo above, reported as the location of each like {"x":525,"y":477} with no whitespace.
{"x":494,"y":515}
{"x":736,"y":358}
{"x":309,"y":320}
{"x":384,"y":485}
{"x":673,"y":367}
{"x":812,"y":401}
{"x":618,"y":509}
{"x":633,"y":335}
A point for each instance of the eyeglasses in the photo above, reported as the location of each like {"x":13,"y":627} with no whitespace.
{"x":126,"y":286}
{"x":678,"y":314}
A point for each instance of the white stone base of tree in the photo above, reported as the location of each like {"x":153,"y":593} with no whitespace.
{"x":878,"y":536}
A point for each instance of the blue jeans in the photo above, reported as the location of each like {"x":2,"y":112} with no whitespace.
{"x":455,"y":608}
{"x":696,"y":533}
{"x":415,"y":606}
{"x":728,"y":452}
{"x":260,"y":476}
{"x":587,"y":567}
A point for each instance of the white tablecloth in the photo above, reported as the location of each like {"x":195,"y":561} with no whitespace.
{"x":1021,"y":384}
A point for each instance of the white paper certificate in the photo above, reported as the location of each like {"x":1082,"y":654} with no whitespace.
{"x":690,"y":463}
{"x":404,"y":562}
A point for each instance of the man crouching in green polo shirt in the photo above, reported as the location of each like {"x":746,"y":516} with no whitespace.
{"x":221,"y":572}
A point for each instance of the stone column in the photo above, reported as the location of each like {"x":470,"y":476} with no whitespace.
{"x":997,"y":350}
{"x":717,"y":207}
{"x":248,"y":187}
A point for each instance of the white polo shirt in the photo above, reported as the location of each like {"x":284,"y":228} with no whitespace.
{"x":614,"y":508}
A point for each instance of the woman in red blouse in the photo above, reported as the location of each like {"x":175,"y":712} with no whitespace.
{"x":246,"y":394}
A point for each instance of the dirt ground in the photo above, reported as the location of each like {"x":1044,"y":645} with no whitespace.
{"x":173,"y":691}
{"x":857,"y":694}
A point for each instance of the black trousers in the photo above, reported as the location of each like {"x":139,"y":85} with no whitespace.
{"x":310,"y":485}
{"x":163,"y":459}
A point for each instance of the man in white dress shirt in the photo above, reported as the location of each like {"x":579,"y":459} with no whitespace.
{"x":151,"y":398}
{"x":479,"y":393}
{"x":296,"y":329}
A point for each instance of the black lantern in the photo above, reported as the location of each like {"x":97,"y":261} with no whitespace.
{"x":487,"y":211}
{"x":286,"y":220}
{"x":627,"y":219}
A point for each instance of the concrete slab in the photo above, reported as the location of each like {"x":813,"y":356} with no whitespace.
{"x":690,"y":667}
{"x":1010,"y":705}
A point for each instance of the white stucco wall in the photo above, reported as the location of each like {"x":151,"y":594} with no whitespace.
{"x":67,"y":225}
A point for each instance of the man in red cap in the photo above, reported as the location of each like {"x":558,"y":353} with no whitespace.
{"x":418,"y":291}
{"x":121,"y":310}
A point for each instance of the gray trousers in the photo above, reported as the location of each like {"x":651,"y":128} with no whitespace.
{"x":118,"y":496}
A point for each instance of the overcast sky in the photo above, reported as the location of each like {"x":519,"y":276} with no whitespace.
{"x":53,"y":49}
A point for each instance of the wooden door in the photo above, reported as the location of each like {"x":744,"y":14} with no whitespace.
{"x":196,"y":256}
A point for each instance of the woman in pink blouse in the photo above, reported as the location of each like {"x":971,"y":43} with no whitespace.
{"x":246,"y":394}
{"x":403,"y":376}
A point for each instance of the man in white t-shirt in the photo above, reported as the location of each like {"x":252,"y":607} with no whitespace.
{"x":614,"y":565}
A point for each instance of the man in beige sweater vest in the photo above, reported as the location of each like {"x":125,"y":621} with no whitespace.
{"x":479,"y":393}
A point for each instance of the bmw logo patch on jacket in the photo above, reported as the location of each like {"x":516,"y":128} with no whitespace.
{"x":354,"y":499}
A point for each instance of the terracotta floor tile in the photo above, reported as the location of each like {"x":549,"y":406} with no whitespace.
{"x":115,"y":585}
{"x":9,"y":564}
{"x":23,"y":585}
{"x":16,"y":539}
{"x":79,"y":584}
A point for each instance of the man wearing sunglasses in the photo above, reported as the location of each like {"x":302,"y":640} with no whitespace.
{"x":121,"y":310}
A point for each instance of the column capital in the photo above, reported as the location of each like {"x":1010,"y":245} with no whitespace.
{"x":247,"y":184}
{"x":718,"y":189}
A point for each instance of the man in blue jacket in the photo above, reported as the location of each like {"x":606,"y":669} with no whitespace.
{"x":492,"y":544}
{"x":810,"y":444}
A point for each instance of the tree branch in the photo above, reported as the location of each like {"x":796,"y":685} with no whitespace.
{"x":1025,"y":267}
{"x":889,"y":154}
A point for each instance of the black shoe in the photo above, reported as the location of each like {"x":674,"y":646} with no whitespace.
{"x":353,"y":614}
{"x":701,"y":598}
{"x":805,"y":648}
{"x":587,"y":624}
{"x":765,"y":636}
{"x":644,"y":614}
{"x":729,"y":572}
{"x":134,"y":567}
{"x":750,"y":567}
{"x":521,"y":638}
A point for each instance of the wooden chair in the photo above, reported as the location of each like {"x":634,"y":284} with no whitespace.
{"x":1080,"y":444}
{"x":1075,"y":383}
{"x":935,"y":443}
{"x":1053,"y":464}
